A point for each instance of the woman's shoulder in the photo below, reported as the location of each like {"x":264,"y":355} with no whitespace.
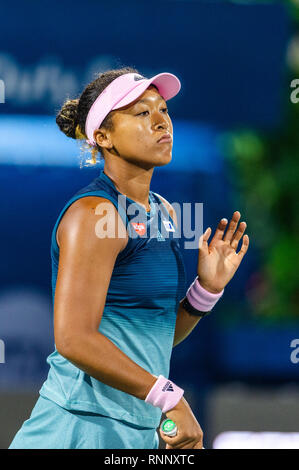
{"x":87,"y":213}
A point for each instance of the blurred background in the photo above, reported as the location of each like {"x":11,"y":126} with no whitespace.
{"x":236,"y":146}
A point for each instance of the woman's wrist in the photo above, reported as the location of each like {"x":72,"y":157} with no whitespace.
{"x":179,"y":406}
{"x":200,"y":298}
{"x":208,"y":288}
{"x":164,"y":394}
{"x":149,"y":386}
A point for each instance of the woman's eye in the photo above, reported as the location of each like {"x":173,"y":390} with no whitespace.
{"x":165,"y":110}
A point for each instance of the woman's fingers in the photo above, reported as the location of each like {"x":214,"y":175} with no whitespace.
{"x":219,"y":231}
{"x":187,"y":444}
{"x":191,"y":444}
{"x":198,"y":445}
{"x":177,"y":441}
{"x":232,"y":226}
{"x":238,"y":235}
{"x":244,"y":246}
{"x":231,"y":234}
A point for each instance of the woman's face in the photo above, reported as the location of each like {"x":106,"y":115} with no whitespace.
{"x":138,"y":127}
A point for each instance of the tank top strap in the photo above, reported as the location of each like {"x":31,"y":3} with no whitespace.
{"x":162,"y":207}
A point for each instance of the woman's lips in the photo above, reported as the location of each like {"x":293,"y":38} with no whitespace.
{"x":166,"y":138}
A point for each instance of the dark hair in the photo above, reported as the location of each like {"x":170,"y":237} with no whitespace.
{"x":72,"y":116}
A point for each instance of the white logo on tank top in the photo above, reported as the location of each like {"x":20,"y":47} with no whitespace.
{"x":168,"y":226}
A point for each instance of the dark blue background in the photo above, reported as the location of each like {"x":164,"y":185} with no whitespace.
{"x":229,"y":57}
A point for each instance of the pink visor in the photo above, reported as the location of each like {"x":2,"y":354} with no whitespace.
{"x":122,"y":91}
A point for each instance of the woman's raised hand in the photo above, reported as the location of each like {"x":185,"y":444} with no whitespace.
{"x":219,"y":260}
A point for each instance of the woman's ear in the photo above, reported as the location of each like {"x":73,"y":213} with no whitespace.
{"x":102,"y":138}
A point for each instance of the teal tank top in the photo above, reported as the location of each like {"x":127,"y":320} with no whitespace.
{"x":147,"y":283}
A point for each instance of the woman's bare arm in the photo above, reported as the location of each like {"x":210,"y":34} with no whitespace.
{"x":185,"y":323}
{"x":85,"y":267}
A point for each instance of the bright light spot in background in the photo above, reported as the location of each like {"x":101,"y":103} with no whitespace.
{"x":256,"y":440}
{"x":37,"y":140}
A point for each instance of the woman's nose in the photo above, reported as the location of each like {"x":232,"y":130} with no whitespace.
{"x":160,"y":121}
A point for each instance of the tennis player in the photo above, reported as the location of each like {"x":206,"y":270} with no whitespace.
{"x":120,"y":300}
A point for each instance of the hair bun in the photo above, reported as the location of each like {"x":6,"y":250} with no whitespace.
{"x":67,"y":118}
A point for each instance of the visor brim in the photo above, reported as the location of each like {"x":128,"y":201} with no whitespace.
{"x":168,"y":86}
